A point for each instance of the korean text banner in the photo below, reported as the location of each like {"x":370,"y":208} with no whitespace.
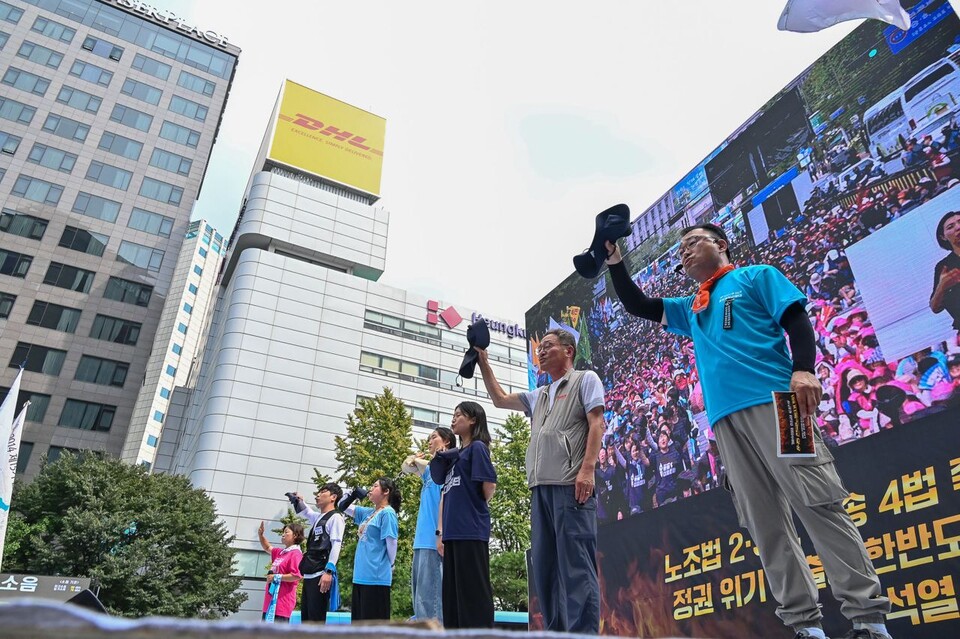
{"x":329,"y":138}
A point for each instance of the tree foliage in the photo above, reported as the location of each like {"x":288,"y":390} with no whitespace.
{"x":510,"y":506}
{"x":379,"y":437}
{"x":152,"y":542}
{"x":510,"y":515}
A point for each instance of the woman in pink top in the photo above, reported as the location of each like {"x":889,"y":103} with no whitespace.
{"x":286,"y":563}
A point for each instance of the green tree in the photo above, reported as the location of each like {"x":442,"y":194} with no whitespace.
{"x":510,"y":515}
{"x":379,"y":437}
{"x":153,"y":542}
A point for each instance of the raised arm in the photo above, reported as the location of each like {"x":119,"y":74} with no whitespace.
{"x":633,"y":299}
{"x":263,"y":540}
{"x":498,"y":396}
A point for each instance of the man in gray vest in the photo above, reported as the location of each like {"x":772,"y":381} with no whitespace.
{"x":566,"y":429}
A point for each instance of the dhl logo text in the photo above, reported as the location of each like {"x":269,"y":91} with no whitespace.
{"x":313,"y":124}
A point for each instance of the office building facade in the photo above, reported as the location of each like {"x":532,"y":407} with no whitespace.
{"x":108,"y":114}
{"x":179,"y":339}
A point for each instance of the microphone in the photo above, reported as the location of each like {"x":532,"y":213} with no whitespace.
{"x":678,"y":268}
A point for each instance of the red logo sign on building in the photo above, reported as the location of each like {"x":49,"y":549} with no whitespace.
{"x":449,"y":315}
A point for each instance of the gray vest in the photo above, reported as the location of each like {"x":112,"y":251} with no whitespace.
{"x":558,"y":434}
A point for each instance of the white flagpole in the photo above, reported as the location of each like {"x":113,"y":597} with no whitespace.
{"x":11,"y":426}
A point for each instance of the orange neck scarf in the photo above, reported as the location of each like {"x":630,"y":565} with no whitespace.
{"x":702,"y":299}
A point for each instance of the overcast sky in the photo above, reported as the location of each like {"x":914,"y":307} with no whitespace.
{"x":509,"y":124}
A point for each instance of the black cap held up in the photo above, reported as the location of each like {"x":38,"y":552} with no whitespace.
{"x":612,"y":224}
{"x":477,"y":335}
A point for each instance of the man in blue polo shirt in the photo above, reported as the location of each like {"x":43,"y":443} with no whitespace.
{"x":737,"y":321}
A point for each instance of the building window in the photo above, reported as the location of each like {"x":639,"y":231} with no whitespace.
{"x":197,"y":270}
{"x":161,"y":191}
{"x":9,"y":143}
{"x":26,"y":81}
{"x":69,"y":277}
{"x":157,"y":416}
{"x":140,"y":255}
{"x":38,"y":359}
{"x":53,"y":30}
{"x":26,"y":226}
{"x":4,"y":38}
{"x":37,"y":190}
{"x":66,"y":128}
{"x":177,"y":349}
{"x":193,"y":288}
{"x":128,"y":292}
{"x":54,"y":316}
{"x":86,"y":416}
{"x":141,"y":91}
{"x":109,"y":175}
{"x":128,"y":116}
{"x":170,"y":162}
{"x":116,"y":330}
{"x":14,"y":264}
{"x":188,"y":108}
{"x":6,"y":304}
{"x":149,"y":222}
{"x":79,"y":99}
{"x":187,"y":308}
{"x":38,"y":403}
{"x":40,"y":55}
{"x":97,"y":207}
{"x":23,"y":458}
{"x":54,"y":453}
{"x":182,"y":328}
{"x":16,"y":111}
{"x":91,"y":73}
{"x":52,"y":158}
{"x":119,"y":145}
{"x":196,"y":84}
{"x":171,"y":370}
{"x":151,"y":439}
{"x":102,"y":48}
{"x":165,"y":393}
{"x":203,"y":252}
{"x":10,"y":13}
{"x":83,"y":241}
{"x":151,"y":67}
{"x":179,"y":134}
{"x":105,"y":372}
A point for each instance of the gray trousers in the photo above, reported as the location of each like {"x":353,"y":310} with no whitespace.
{"x":564,"y":557}
{"x":765,"y":488}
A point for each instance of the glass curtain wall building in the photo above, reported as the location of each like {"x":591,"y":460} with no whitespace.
{"x":108,"y":116}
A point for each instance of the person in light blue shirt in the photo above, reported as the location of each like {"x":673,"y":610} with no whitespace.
{"x":737,"y":320}
{"x":378,"y":530}
{"x":427,"y":569}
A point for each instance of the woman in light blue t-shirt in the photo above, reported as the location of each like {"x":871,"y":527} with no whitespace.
{"x":376,"y":549}
{"x":427,"y":561}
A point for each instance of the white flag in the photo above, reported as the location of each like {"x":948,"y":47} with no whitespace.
{"x":806,"y":16}
{"x":10,"y":429}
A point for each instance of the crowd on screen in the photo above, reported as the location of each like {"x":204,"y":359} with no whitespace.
{"x":658,"y":446}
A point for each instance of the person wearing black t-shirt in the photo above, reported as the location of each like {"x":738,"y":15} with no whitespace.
{"x":946,"y":274}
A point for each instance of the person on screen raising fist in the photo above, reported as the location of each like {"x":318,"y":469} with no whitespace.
{"x":737,"y":320}
{"x":566,"y":431}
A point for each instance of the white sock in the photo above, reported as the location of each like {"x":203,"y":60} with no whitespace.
{"x":813,"y":631}
{"x":878,"y":628}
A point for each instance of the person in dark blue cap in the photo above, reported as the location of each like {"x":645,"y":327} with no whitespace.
{"x":478,"y":335}
{"x":611,"y":225}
